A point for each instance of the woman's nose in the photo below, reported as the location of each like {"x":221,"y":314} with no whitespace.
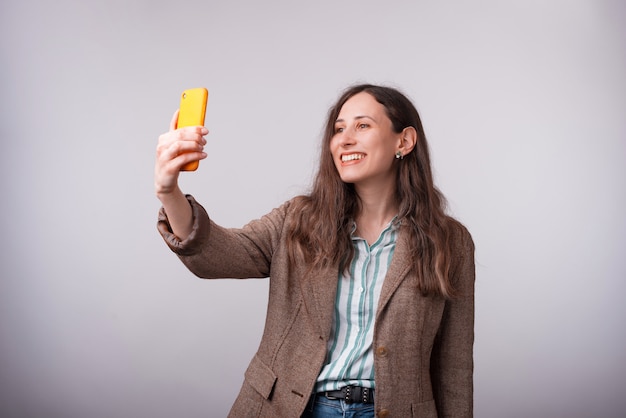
{"x":348,"y":137}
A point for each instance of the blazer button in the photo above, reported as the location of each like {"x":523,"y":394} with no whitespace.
{"x":383,"y":413}
{"x":382,"y":351}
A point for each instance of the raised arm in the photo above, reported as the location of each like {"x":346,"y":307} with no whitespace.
{"x":176,"y":148}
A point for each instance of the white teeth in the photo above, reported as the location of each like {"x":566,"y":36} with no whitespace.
{"x":351,"y":157}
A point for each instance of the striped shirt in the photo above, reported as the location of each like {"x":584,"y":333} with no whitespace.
{"x":350,"y":358}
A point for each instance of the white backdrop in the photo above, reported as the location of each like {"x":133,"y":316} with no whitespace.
{"x":524,"y":104}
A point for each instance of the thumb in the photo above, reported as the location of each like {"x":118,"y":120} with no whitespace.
{"x":174,"y":121}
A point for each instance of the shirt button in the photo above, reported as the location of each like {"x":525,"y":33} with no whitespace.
{"x":383,"y":413}
{"x":382,"y":351}
{"x":361,"y":289}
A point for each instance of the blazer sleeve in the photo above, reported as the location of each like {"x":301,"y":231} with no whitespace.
{"x":452,"y":363}
{"x":211,"y":251}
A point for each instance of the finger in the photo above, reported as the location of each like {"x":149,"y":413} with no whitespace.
{"x":185,"y":146}
{"x":189,"y":157}
{"x":192,"y":133}
{"x":175,"y":165}
{"x":174,"y":121}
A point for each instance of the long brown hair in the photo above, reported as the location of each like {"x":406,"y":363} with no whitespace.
{"x":320,"y":232}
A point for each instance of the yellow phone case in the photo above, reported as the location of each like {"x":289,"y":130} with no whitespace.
{"x":192,"y":111}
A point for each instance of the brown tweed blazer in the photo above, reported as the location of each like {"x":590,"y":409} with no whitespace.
{"x":422,"y":345}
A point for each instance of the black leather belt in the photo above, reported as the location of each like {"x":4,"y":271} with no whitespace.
{"x":352,"y":394}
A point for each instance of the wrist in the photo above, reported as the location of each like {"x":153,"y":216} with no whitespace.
{"x":169,"y":196}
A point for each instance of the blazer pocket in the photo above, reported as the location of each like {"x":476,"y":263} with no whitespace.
{"x":426,"y":409}
{"x":260,"y":377}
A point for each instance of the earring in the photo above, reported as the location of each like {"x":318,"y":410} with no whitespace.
{"x":399,"y":155}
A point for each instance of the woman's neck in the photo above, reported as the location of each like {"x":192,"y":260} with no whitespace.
{"x":378,"y":208}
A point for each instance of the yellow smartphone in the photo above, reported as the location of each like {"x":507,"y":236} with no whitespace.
{"x":192,"y":111}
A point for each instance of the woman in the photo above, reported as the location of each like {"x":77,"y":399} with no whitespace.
{"x":371,"y":301}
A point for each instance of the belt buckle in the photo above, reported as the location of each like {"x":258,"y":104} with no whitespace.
{"x":328,"y":395}
{"x":351,"y":394}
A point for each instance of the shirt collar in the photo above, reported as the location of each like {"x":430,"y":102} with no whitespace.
{"x":393,"y":225}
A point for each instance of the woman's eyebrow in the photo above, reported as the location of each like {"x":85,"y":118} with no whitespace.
{"x":357,"y":118}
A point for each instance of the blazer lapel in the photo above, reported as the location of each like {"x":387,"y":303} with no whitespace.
{"x":398,"y":269}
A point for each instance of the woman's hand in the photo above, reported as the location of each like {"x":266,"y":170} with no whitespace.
{"x":176,"y":148}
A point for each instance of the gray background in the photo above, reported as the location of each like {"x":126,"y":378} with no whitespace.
{"x":524,"y":105}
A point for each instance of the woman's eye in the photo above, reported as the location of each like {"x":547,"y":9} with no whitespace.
{"x":363,"y":125}
{"x":338,"y":130}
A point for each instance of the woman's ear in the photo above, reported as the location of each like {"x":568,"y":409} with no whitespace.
{"x":408,"y":140}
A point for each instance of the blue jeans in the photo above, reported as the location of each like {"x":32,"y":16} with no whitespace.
{"x":321,"y":407}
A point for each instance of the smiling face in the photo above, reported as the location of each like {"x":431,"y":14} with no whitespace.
{"x":364,"y":144}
